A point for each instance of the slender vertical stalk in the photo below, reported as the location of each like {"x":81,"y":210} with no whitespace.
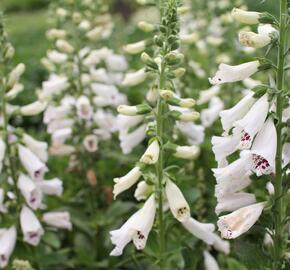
{"x":159,"y":170}
{"x":278,"y":182}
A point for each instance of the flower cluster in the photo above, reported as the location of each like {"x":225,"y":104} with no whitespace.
{"x":164,"y":105}
{"x":248,"y":128}
{"x":22,"y":166}
{"x":84,"y":78}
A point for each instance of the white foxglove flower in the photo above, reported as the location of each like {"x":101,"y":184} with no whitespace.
{"x":134,"y":78}
{"x":136,"y":228}
{"x":7,"y":245}
{"x":38,"y":148}
{"x":206,"y":95}
{"x":60,"y":220}
{"x":264,"y":149}
{"x":91,"y":143}
{"x":286,"y":154}
{"x":177,"y":203}
{"x":247,"y":17}
{"x":227,"y":73}
{"x":116,"y":63}
{"x":16,"y":89}
{"x":64,"y":46}
{"x":228,"y":117}
{"x":34,"y":108}
{"x":57,"y":57}
{"x":270,"y":188}
{"x":57,"y":124}
{"x":32,"y":164}
{"x":189,"y":38}
{"x":203,"y":231}
{"x":193,"y":132}
{"x":143,"y":191}
{"x":210,"y":262}
{"x":240,"y":221}
{"x":61,"y":150}
{"x":31,"y":227}
{"x":187,"y":152}
{"x":223,"y":147}
{"x":233,"y":201}
{"x":53,"y":86}
{"x":125,"y":122}
{"x":151,"y":154}
{"x":55,"y":113}
{"x":237,"y":169}
{"x":251,"y":123}
{"x":3,"y":208}
{"x":61,"y":135}
{"x":84,"y":108}
{"x":209,"y":115}
{"x":2,"y":152}
{"x":129,"y":140}
{"x":232,"y":185}
{"x":135,"y":48}
{"x":51,"y":187}
{"x":125,"y":182}
{"x":30,"y":191}
{"x":15,"y":74}
{"x":251,"y":83}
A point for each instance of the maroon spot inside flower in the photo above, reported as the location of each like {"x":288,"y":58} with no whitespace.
{"x":33,"y":235}
{"x":261,"y":164}
{"x":140,"y":235}
{"x":37,"y":173}
{"x":3,"y":258}
{"x":33,"y":200}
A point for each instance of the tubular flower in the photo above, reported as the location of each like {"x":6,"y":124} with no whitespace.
{"x":209,"y":261}
{"x":240,"y":221}
{"x":59,"y":220}
{"x":227,"y":73}
{"x":7,"y":244}
{"x":151,"y":155}
{"x":136,"y":228}
{"x":247,"y":17}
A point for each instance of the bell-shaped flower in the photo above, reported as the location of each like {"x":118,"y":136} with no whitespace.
{"x":136,"y":228}
{"x":134,"y":78}
{"x":233,"y":201}
{"x":206,"y":95}
{"x":32,"y":164}
{"x":60,"y":220}
{"x":251,"y":123}
{"x":143,"y":191}
{"x":210,"y":262}
{"x":31,"y":227}
{"x":91,"y":143}
{"x":38,"y":148}
{"x":240,"y":221}
{"x":84,"y":108}
{"x":130,"y":140}
{"x":127,"y":181}
{"x":151,"y":154}
{"x":209,"y":115}
{"x":135,"y":48}
{"x":2,"y":153}
{"x":34,"y":108}
{"x":223,"y":147}
{"x":61,"y":135}
{"x":187,"y":152}
{"x":7,"y":245}
{"x":203,"y":231}
{"x":51,"y":187}
{"x":230,"y":116}
{"x":30,"y":191}
{"x":247,"y":17}
{"x":264,"y":149}
{"x":227,"y":73}
{"x":177,"y":203}
{"x":235,"y":170}
{"x":53,"y":86}
{"x":193,"y":132}
{"x":232,"y":185}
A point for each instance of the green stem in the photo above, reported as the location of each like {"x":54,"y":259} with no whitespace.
{"x":159,"y":171}
{"x":278,"y":182}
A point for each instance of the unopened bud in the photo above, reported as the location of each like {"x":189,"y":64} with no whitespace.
{"x":146,"y":27}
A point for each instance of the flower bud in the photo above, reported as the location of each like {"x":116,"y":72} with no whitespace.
{"x":134,"y":78}
{"x":33,"y":108}
{"x":15,"y":75}
{"x":179,"y":72}
{"x":9,"y":51}
{"x":15,"y":90}
{"x":52,"y":34}
{"x":135,"y":48}
{"x":134,"y":110}
{"x":64,"y":46}
{"x":143,"y":191}
{"x":185,"y":116}
{"x":251,"y":39}
{"x":174,"y":58}
{"x":95,"y":33}
{"x":166,"y":94}
{"x":77,"y":17}
{"x":151,"y":155}
{"x":146,"y":27}
{"x":189,"y":38}
{"x":247,"y":17}
{"x":61,"y":12}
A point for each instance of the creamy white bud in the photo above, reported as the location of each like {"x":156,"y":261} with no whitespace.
{"x":52,"y":34}
{"x":15,"y":90}
{"x":187,"y":152}
{"x":247,"y":17}
{"x":60,"y":220}
{"x":189,"y":38}
{"x":143,"y":191}
{"x":135,"y":48}
{"x":15,"y":74}
{"x":34,"y":108}
{"x":134,"y":78}
{"x":151,"y":154}
{"x":64,"y":46}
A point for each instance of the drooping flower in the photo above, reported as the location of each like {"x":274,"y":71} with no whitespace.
{"x":206,"y":95}
{"x":32,"y":164}
{"x":7,"y":244}
{"x":240,"y":221}
{"x":209,"y":261}
{"x":177,"y":203}
{"x":33,"y":108}
{"x":251,"y":123}
{"x":31,"y":227}
{"x":38,"y":148}
{"x":51,"y":187}
{"x":125,"y":182}
{"x":134,"y":78}
{"x":227,"y":73}
{"x":143,"y":191}
{"x":60,"y":220}
{"x":151,"y":154}
{"x":136,"y":228}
